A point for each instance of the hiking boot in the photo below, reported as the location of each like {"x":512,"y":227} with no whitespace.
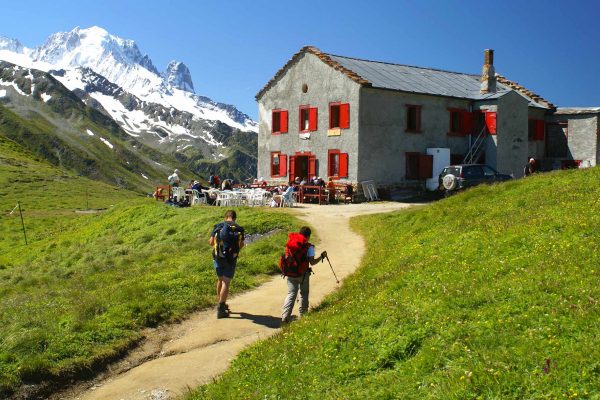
{"x":222,"y":310}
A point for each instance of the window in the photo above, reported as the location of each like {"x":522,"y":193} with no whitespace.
{"x":413,"y":118}
{"x":472,"y":172}
{"x":536,"y":129}
{"x":308,"y":119}
{"x":337,"y":166}
{"x":278,"y":164}
{"x":487,"y":171}
{"x":461,"y":122}
{"x":279,"y":122}
{"x":418,"y":166}
{"x":339,"y":115}
{"x":455,"y":122}
{"x":531,"y":130}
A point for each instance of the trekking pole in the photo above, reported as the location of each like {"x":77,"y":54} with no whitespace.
{"x":336,"y":278}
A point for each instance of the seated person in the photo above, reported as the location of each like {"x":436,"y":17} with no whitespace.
{"x":197,"y":186}
{"x":331,"y":189}
{"x":226,"y":185}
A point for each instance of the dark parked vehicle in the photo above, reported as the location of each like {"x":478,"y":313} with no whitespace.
{"x":462,"y":176}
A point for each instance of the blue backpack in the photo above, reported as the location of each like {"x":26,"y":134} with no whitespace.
{"x":228,"y":240}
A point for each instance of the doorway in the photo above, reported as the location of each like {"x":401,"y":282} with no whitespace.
{"x":301,"y":167}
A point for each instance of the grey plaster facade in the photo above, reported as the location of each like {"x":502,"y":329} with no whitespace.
{"x":384,"y":141}
{"x":579,"y":131}
{"x":324,"y":85}
{"x":377,"y":141}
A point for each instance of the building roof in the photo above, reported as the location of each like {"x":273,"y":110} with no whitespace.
{"x":412,"y":79}
{"x":577,"y":110}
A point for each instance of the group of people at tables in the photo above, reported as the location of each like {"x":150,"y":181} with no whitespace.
{"x":303,"y":185}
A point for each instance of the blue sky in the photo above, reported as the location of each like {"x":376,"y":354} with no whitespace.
{"x":234,"y":47}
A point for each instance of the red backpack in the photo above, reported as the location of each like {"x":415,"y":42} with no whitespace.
{"x":294,"y":262}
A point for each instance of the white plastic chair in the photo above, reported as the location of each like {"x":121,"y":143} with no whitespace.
{"x":198,"y":198}
{"x":224,"y":199}
{"x":261,"y":197}
{"x":178,"y":193}
{"x":287,"y":198}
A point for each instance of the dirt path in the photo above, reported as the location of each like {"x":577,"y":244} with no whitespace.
{"x":183,"y":356}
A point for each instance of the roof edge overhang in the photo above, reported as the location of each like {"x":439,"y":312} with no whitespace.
{"x":323,"y":57}
{"x":521,"y":89}
{"x":577,"y":111}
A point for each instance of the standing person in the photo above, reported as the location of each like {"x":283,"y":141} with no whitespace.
{"x":530,"y":167}
{"x":295,"y":264}
{"x":227,"y":239}
{"x":211,"y":180}
{"x":174,"y":180}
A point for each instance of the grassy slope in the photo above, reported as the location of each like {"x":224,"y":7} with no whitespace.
{"x":85,"y":286}
{"x":48,"y":196}
{"x":491,"y":294}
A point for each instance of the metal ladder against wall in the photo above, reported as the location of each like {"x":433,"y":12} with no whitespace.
{"x":476,"y":147}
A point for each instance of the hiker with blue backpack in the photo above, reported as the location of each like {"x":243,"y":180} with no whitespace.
{"x":295,"y":264}
{"x":226,"y":239}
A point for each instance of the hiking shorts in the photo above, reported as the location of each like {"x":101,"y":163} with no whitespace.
{"x":225,"y":267}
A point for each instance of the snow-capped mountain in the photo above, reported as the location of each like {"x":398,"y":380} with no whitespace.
{"x":112,"y":75}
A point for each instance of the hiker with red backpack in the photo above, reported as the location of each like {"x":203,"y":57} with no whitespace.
{"x":295,"y":264}
{"x":227,"y":239}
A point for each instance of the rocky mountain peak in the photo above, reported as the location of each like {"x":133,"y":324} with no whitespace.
{"x":178,"y":75}
{"x":90,"y":47}
{"x":11,"y":45}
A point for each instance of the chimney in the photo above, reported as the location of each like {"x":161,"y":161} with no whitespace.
{"x":488,"y":73}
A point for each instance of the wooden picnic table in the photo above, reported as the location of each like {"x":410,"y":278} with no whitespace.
{"x":320,"y":193}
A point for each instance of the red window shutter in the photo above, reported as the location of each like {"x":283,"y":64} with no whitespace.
{"x":284,"y":121}
{"x":292,"y":168}
{"x":539,"y":130}
{"x":467,"y":123}
{"x":312,"y":166}
{"x":343,"y":165}
{"x":344,"y":115}
{"x":282,"y":165}
{"x":425,"y":166}
{"x":312,"y":119}
{"x":490,"y":122}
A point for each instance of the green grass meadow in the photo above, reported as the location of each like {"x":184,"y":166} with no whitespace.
{"x":491,"y":294}
{"x":84,"y":288}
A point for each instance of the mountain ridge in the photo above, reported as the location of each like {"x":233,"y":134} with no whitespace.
{"x":158,"y":110}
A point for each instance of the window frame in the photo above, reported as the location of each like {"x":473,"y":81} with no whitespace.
{"x":459,"y":113}
{"x":342,"y":164}
{"x":531,"y":129}
{"x":343,"y":120}
{"x":310,"y":111}
{"x":275,"y":169}
{"x":417,"y":109}
{"x":282,"y":114}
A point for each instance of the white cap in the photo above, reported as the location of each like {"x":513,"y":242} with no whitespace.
{"x":176,"y":170}
{"x":531,"y":159}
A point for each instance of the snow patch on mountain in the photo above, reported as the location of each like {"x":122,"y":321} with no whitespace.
{"x":14,"y":86}
{"x":106,"y":142}
{"x":45,"y":97}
